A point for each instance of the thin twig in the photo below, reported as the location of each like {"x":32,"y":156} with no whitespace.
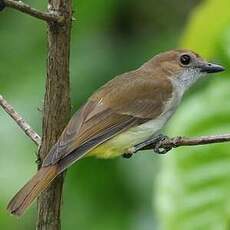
{"x":168,"y":143}
{"x":202,"y":140}
{"x":20,"y":121}
{"x":25,"y":8}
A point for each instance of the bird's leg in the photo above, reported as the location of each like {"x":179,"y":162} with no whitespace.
{"x":154,"y":143}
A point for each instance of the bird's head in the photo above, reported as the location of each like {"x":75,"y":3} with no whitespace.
{"x":183,"y":66}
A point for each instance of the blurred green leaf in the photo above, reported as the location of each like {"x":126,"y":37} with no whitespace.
{"x":192,"y":190}
{"x":206,"y":26}
{"x":193,"y":185}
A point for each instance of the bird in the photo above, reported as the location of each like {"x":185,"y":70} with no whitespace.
{"x":127,"y":110}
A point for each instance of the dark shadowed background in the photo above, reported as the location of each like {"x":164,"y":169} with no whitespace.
{"x":186,"y":189}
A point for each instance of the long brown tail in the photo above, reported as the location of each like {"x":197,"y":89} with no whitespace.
{"x":38,"y":183}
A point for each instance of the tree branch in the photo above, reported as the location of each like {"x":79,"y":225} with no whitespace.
{"x":163,"y":144}
{"x":56,"y":110}
{"x":25,"y":8}
{"x":20,"y":121}
{"x":202,"y":140}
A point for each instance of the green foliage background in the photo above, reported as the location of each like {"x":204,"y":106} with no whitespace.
{"x":194,"y":183}
{"x":191,"y":185}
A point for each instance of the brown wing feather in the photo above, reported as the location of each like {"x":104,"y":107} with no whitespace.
{"x":105,"y":135}
{"x":78,"y":138}
{"x":111,"y":110}
{"x":144,"y":96}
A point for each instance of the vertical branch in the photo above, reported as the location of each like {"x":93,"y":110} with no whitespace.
{"x":56,"y":109}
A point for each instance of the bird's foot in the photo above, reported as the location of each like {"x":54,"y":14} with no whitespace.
{"x":127,"y":155}
{"x":156,"y":143}
{"x":159,"y":147}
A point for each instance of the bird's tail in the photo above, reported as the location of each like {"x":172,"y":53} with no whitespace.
{"x":38,"y":183}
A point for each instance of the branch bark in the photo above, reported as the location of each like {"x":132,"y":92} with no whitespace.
{"x":56,"y":109}
{"x":203,"y":140}
{"x":25,"y":8}
{"x":20,"y":121}
{"x":162,"y":144}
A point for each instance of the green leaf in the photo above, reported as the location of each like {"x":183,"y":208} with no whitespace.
{"x":192,"y":189}
{"x":194,"y":182}
{"x":206,"y":27}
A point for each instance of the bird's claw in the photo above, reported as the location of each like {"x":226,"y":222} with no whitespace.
{"x":159,"y":148}
{"x":157,"y":143}
{"x":127,"y":155}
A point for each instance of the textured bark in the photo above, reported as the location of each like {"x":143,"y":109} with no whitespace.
{"x":56,"y":109}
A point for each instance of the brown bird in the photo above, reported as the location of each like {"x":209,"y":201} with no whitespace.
{"x":126,"y":111}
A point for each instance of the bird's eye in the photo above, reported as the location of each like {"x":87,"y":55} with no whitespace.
{"x":185,"y":59}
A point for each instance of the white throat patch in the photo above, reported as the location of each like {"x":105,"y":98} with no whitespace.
{"x":185,"y":80}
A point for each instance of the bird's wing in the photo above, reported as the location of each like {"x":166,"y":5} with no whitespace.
{"x":107,"y":113}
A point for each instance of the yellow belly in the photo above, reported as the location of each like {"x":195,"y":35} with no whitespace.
{"x":119,"y":144}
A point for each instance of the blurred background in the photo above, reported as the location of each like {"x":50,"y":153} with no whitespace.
{"x":186,"y":189}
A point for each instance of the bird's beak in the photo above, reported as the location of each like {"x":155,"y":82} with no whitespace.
{"x":210,"y":68}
